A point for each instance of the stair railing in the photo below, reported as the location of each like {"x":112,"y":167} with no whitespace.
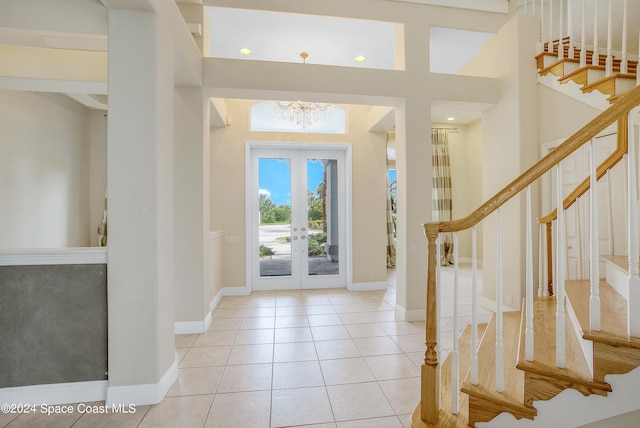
{"x":430,"y":383}
{"x":556,"y":19}
{"x":546,"y":222}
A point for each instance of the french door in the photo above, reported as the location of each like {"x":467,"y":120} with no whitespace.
{"x":297,"y":218}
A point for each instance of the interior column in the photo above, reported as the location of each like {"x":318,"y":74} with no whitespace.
{"x":414,"y":180}
{"x":140,"y":182}
{"x":191,"y":210}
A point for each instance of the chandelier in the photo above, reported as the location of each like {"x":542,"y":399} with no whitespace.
{"x":303,"y":114}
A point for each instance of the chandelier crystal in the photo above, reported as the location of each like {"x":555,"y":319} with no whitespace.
{"x":303,"y":114}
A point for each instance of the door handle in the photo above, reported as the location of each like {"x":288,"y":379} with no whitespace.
{"x":303,"y":237}
{"x":295,"y":238}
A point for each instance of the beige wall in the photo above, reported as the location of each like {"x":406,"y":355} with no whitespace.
{"x":369,"y":187}
{"x":509,"y":147}
{"x":560,"y":115}
{"x":45,"y":151}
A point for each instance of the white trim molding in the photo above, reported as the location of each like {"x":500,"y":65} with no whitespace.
{"x":140,"y":395}
{"x":193,"y":327}
{"x":54,"y":256}
{"x":55,"y":393}
{"x":401,"y":314}
{"x":368,"y":286}
{"x":196,"y":327}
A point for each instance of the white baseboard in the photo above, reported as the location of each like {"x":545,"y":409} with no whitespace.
{"x":235,"y":291}
{"x":401,"y":314}
{"x":468,"y":260}
{"x":55,"y":393}
{"x":193,"y":327}
{"x":140,"y":395}
{"x":368,"y":286}
{"x":196,"y":327}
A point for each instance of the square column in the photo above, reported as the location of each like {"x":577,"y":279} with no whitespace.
{"x":140,"y":184}
{"x":414,"y":175}
{"x":191,"y":211}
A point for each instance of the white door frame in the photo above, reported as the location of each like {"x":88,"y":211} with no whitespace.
{"x":347,"y":150}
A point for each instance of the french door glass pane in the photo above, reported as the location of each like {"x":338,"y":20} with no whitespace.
{"x":322,"y":217}
{"x":274,"y":183}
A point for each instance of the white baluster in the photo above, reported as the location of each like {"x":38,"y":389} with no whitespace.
{"x":560,"y":31}
{"x":579,"y":251}
{"x":594,"y":272}
{"x":560,"y":255}
{"x":572,"y":49}
{"x":439,"y":349}
{"x":542,"y":22}
{"x":474,"y":309}
{"x":550,"y":45}
{"x":528,"y":341}
{"x":612,"y":246}
{"x":624,"y":64}
{"x":583,"y":49}
{"x":633,"y":302}
{"x":541,"y":260}
{"x":595,"y":59}
{"x":455,"y":356}
{"x":609,"y":61}
{"x":499,"y":315}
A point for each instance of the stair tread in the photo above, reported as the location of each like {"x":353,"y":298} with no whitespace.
{"x":613,"y":314}
{"x":621,"y":262}
{"x":513,"y":395}
{"x":577,"y":370}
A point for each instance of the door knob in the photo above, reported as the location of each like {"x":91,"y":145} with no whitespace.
{"x":303,"y":237}
{"x":295,"y":237}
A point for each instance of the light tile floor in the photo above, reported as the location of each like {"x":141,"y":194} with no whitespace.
{"x":312,"y":358}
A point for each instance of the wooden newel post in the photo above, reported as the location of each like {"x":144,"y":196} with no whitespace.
{"x":430,"y":393}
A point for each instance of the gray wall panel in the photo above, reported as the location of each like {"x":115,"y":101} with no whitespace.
{"x":53,"y":324}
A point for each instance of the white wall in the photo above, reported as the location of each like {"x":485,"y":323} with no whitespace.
{"x":369,"y":189}
{"x":509,"y":147}
{"x":45,"y":184}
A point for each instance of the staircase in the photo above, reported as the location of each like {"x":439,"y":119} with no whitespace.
{"x":587,"y":75}
{"x":513,"y":370}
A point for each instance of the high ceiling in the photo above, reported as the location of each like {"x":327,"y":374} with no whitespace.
{"x":281,"y":37}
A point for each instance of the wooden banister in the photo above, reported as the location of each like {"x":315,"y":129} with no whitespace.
{"x":624,"y":105}
{"x":430,"y":394}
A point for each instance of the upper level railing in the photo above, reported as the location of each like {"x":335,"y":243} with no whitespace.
{"x":587,"y":30}
{"x":430,"y":401}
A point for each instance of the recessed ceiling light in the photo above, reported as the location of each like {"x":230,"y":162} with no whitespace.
{"x":360,"y":58}
{"x":451,"y":118}
{"x":246,"y":51}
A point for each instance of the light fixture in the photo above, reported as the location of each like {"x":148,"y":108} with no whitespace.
{"x":360,"y":58}
{"x":246,"y":51}
{"x":302,"y":113}
{"x":451,"y":118}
